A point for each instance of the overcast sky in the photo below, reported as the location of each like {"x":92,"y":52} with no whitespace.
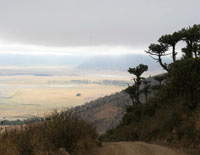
{"x":90,"y":26}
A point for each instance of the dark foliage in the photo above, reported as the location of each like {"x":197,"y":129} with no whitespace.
{"x":134,"y":90}
{"x":190,"y":35}
{"x":184,"y":76}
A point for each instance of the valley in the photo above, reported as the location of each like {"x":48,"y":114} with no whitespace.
{"x":26,"y":96}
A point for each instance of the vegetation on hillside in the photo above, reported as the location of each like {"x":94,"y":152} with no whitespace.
{"x":172,"y":115}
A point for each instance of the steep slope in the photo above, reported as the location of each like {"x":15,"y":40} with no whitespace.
{"x":106,"y":112}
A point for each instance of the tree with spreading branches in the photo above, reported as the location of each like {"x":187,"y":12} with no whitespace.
{"x":160,"y":78}
{"x":190,"y":35}
{"x":171,"y":41}
{"x":157,"y":51}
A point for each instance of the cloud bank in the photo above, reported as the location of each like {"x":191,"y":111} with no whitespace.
{"x":73,"y":23}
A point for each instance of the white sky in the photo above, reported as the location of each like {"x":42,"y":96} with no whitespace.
{"x":67,"y":50}
{"x":90,"y":27}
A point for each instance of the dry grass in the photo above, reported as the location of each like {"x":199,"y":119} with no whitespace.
{"x":58,"y":133}
{"x":107,"y":111}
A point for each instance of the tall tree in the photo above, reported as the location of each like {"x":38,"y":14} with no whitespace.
{"x":146,"y":89}
{"x":133,"y":93}
{"x":134,"y":90}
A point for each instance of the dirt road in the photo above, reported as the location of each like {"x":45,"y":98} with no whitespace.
{"x":136,"y":148}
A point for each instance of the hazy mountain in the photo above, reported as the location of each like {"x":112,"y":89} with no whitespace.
{"x":121,"y":63}
{"x":76,"y":64}
{"x":40,"y":60}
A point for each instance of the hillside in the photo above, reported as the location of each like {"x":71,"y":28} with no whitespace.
{"x":106,"y":112}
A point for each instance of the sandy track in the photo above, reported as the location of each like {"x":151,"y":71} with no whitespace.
{"x":135,"y":148}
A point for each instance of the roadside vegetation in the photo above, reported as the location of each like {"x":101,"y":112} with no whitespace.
{"x":57,"y":134}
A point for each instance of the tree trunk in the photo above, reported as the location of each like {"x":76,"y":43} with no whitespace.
{"x":173,"y":53}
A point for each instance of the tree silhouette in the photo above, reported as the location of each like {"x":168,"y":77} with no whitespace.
{"x":134,"y":91}
{"x":190,"y":35}
{"x":171,"y":41}
{"x":146,"y":89}
{"x":158,"y":51}
{"x":160,"y":78}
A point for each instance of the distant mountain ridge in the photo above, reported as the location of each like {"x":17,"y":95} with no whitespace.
{"x":121,"y":63}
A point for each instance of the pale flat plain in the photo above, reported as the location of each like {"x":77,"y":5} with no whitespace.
{"x":28,"y":96}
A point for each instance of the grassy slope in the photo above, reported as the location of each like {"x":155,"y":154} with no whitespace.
{"x":106,"y":112}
